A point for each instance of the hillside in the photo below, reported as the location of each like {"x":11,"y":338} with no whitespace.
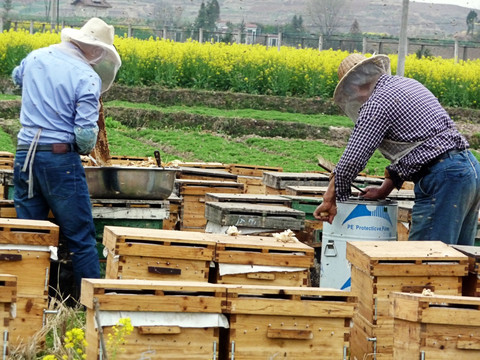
{"x":377,"y":16}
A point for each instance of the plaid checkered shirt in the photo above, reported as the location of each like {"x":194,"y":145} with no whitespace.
{"x":399,"y":109}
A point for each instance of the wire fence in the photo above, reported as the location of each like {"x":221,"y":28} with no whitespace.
{"x":445,"y":48}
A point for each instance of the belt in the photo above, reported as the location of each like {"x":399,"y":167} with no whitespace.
{"x":425,"y":169}
{"x":60,"y":148}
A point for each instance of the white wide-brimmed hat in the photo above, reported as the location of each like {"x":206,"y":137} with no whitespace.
{"x":97,"y":33}
{"x":358,"y":70}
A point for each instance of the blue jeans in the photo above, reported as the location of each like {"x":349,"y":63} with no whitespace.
{"x":59,"y":184}
{"x":447,"y":201}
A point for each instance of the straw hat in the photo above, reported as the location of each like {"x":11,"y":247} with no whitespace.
{"x":368,"y":68}
{"x":97,"y":34}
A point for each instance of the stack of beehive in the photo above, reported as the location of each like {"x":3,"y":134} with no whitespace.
{"x":192,"y":294}
{"x":25,"y":251}
{"x":380,"y":268}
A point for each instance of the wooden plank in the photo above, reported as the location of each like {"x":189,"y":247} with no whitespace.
{"x":205,"y":174}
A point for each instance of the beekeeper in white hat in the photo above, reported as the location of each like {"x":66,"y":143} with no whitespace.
{"x":61,"y":87}
{"x":403,"y":120}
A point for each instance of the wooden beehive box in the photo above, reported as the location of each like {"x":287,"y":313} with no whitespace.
{"x":471,"y":282}
{"x":439,"y":327}
{"x":252,"y":218}
{"x":288,"y":322}
{"x":139,"y":253}
{"x":192,"y":193}
{"x":379,"y":268}
{"x":171,"y":320}
{"x":25,"y":252}
{"x":251,"y":184}
{"x":262,"y":260}
{"x":277,"y":182}
{"x":8,"y":296}
{"x":252,"y":170}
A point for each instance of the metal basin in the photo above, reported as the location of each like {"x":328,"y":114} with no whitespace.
{"x":129,"y":182}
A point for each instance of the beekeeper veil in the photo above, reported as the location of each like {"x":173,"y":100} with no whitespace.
{"x":357,"y":76}
{"x":95,"y":40}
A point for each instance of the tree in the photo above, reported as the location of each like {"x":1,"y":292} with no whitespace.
{"x":165,"y":14}
{"x":471,"y":17}
{"x":297,"y":24}
{"x":7,"y":6}
{"x":207,"y":15}
{"x":326,"y":14}
{"x":355,"y":28}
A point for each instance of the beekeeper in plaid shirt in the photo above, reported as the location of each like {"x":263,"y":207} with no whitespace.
{"x":403,"y":120}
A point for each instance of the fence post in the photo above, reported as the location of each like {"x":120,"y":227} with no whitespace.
{"x":129,"y":31}
{"x":279,"y":42}
{"x":1,"y":24}
{"x":455,"y":51}
{"x":164,"y":33}
{"x":465,"y":48}
{"x":31,"y":27}
{"x":200,"y":35}
{"x":364,"y":45}
{"x":320,"y":42}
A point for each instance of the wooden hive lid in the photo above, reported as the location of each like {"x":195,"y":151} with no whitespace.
{"x":151,"y":295}
{"x":158,"y":243}
{"x":28,"y":232}
{"x":414,"y":257}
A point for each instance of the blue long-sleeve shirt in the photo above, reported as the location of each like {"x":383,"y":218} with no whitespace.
{"x":60,"y":93}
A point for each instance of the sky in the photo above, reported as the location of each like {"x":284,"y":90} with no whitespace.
{"x":472,"y":4}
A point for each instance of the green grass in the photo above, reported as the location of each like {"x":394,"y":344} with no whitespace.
{"x":6,"y":142}
{"x":319,"y":119}
{"x":9,"y":97}
{"x":191,"y":145}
